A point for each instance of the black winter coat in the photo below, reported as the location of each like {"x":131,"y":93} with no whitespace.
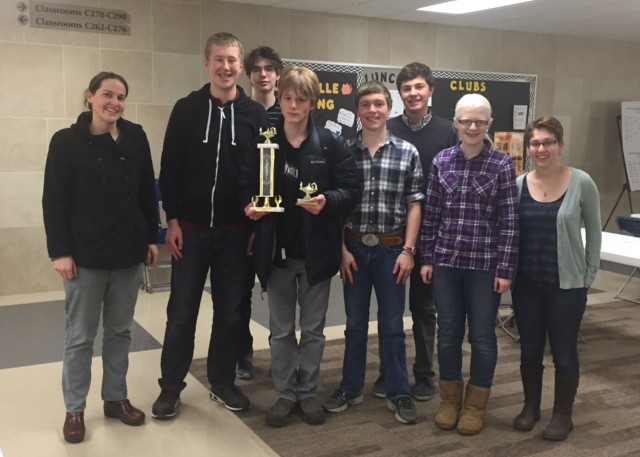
{"x":327,"y":161}
{"x":99,"y":202}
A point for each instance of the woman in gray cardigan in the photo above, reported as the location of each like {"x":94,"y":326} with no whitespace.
{"x":555,"y":270}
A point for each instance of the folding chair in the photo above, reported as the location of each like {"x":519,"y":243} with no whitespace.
{"x":148,"y":285}
{"x":631,"y":226}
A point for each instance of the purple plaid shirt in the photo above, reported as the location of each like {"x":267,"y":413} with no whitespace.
{"x":471,"y":212}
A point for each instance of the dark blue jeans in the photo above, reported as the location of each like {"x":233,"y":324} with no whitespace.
{"x":375,"y":271}
{"x":466,"y":296}
{"x":542,"y":308}
{"x":423,"y":314}
{"x":223,"y":253}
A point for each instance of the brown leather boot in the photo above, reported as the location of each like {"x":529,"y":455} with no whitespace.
{"x":450,"y":404}
{"x":474,"y":409}
{"x":532,"y":386}
{"x":561,"y":423}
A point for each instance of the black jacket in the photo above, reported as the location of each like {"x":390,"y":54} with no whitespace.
{"x":327,"y":161}
{"x":99,"y":202}
{"x":201,"y":157}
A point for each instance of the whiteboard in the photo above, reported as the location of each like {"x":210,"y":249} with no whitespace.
{"x":631,"y":142}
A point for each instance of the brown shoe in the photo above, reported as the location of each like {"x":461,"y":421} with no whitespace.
{"x":73,"y":429}
{"x":124,"y":411}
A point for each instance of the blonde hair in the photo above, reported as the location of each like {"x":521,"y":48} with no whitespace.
{"x":474,"y":101}
{"x":223,"y":39}
{"x":301,"y":80}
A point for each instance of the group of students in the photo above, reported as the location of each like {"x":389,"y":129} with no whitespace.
{"x":415,"y":196}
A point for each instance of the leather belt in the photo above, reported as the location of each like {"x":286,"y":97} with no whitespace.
{"x":370,"y":239}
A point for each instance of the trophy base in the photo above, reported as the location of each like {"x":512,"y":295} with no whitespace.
{"x":269,"y":209}
{"x":303,"y":202}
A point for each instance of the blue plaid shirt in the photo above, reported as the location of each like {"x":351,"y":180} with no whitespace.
{"x":470,"y":218}
{"x":392,"y":179}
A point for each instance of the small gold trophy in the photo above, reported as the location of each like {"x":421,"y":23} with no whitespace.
{"x":309,"y":189}
{"x":267,"y":163}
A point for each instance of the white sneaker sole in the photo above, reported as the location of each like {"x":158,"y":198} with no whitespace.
{"x":215,"y":398}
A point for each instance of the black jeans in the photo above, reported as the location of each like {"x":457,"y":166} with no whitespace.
{"x":223,"y":253}
{"x":542,"y":309}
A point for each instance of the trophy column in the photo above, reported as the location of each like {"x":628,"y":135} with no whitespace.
{"x":262,"y":201}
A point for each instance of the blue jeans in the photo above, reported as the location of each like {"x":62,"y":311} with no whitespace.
{"x":375,"y":271}
{"x":423,"y":314}
{"x":111,"y":294}
{"x":466,"y":296}
{"x":542,"y":308}
{"x":223,"y":253}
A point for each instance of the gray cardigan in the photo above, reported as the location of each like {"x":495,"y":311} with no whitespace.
{"x":578,"y":263}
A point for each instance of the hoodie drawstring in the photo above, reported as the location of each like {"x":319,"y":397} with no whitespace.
{"x":233,"y":143}
{"x":233,"y":125}
{"x":206,"y":135}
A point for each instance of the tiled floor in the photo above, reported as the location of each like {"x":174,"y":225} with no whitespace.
{"x":32,"y":410}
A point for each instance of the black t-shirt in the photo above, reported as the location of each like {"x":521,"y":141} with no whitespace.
{"x":290,"y":224}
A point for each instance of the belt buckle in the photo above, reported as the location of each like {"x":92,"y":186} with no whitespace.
{"x":369,"y":239}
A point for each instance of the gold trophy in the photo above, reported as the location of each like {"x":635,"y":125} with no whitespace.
{"x":267,"y":163}
{"x":309,"y":189}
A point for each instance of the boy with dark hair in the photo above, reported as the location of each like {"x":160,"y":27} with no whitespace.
{"x":429,"y":134}
{"x":263,"y":67}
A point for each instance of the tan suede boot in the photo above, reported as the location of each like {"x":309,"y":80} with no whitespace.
{"x":475,"y":407}
{"x":450,"y":404}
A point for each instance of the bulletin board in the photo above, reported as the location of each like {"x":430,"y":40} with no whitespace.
{"x":338,"y":82}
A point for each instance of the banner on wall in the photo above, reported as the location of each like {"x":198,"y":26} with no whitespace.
{"x":338,"y":82}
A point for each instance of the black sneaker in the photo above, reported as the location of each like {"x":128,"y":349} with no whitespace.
{"x":404,"y":408}
{"x":279,"y":413}
{"x":340,"y":400}
{"x":424,"y":390}
{"x":379,"y":389}
{"x":231,"y":397}
{"x":167,"y":404}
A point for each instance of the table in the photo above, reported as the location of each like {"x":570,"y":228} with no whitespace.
{"x":622,"y":249}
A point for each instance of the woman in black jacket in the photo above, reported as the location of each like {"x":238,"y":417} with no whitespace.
{"x":297,"y":252}
{"x":101,"y":220}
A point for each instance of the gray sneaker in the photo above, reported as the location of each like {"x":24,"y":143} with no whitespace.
{"x":312,"y":412}
{"x":279,"y":413}
{"x":379,"y":389}
{"x":340,"y":400}
{"x":404,"y":408}
{"x":424,"y":390}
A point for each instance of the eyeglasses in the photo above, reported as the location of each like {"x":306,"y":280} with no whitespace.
{"x":266,"y":69}
{"x":467,"y":122}
{"x":546,"y":143}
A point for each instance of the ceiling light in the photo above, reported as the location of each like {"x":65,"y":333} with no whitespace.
{"x":469,"y":6}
